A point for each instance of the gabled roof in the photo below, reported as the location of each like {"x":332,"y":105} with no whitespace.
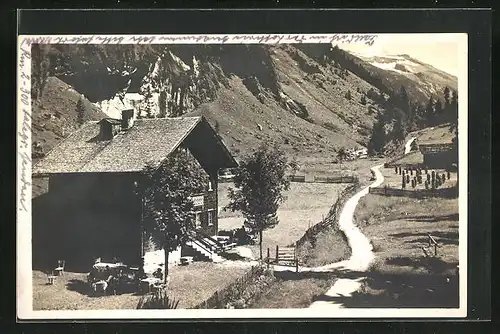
{"x":147,"y":141}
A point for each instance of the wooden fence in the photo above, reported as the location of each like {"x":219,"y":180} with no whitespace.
{"x":420,"y":193}
{"x":284,"y":256}
{"x":432,"y":243}
{"x":336,"y":179}
{"x":297,"y":178}
{"x":404,"y":165}
{"x":331,"y":218}
{"x":224,"y":296}
{"x":324,"y":179}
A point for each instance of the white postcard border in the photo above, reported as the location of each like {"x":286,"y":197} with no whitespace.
{"x":24,"y":256}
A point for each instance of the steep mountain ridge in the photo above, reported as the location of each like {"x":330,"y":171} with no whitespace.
{"x":312,"y":98}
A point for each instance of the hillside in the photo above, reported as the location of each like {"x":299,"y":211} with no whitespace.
{"x":246,"y":116}
{"x":311,"y":98}
{"x":389,"y":73}
{"x":54,"y":118}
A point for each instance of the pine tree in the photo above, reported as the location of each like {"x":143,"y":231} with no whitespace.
{"x":429,"y":111}
{"x":454,"y":112}
{"x":148,"y":95}
{"x":348,"y":95}
{"x":446,"y":94}
{"x":404,"y":101}
{"x":399,"y":130}
{"x":438,"y":107}
{"x":80,"y":111}
{"x":162,"y":104}
{"x":378,"y":139}
{"x":363,"y":100}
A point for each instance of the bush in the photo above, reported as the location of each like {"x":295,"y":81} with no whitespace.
{"x":363,"y":100}
{"x":157,"y":300}
{"x":348,"y":95}
{"x":331,"y":127}
{"x":376,"y":247}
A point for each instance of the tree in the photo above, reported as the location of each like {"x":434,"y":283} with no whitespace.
{"x":429,"y":110}
{"x":341,"y":155}
{"x":162,"y":104}
{"x":399,"y":130}
{"x":446,"y":94}
{"x":454,"y":112}
{"x":259,"y":182}
{"x":438,"y":107}
{"x":378,"y":138}
{"x":147,"y":102}
{"x":80,"y":111}
{"x":40,"y":69}
{"x":348,"y":95}
{"x":166,"y":191}
{"x":363,"y":100}
{"x":404,"y":100}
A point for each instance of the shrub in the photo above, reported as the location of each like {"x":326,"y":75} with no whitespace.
{"x":363,"y":100}
{"x":157,"y":300}
{"x":376,"y":247}
{"x":331,"y":127}
{"x":348,"y":95}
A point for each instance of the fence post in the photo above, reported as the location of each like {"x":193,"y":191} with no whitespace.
{"x":435,"y":250}
{"x":277,"y":249}
{"x":268,"y":256}
{"x":296,"y":258}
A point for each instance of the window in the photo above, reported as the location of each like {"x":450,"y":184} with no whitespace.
{"x":198,"y":219}
{"x":211,"y":217}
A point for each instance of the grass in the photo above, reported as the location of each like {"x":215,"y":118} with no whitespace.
{"x":306,"y":205}
{"x":401,"y":275}
{"x":412,"y":158}
{"x":435,"y":135}
{"x":393,"y":180}
{"x":189,"y":284}
{"x":293,"y":292}
{"x":329,"y":246}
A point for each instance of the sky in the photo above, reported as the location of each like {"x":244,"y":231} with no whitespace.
{"x":438,"y":50}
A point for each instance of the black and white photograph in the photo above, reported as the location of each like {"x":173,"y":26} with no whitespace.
{"x":228,"y":176}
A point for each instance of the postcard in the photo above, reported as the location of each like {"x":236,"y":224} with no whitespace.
{"x":242,"y":176}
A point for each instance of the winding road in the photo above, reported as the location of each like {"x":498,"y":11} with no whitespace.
{"x":408,"y":145}
{"x":361,"y":250}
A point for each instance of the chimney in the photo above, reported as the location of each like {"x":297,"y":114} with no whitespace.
{"x":127,"y":119}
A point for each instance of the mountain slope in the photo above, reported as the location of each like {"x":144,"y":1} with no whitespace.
{"x":431,"y":80}
{"x":389,"y":73}
{"x":54,"y":117}
{"x":311,"y":98}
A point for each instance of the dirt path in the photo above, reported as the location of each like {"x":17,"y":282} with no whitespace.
{"x":408,"y":145}
{"x":361,"y":251}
